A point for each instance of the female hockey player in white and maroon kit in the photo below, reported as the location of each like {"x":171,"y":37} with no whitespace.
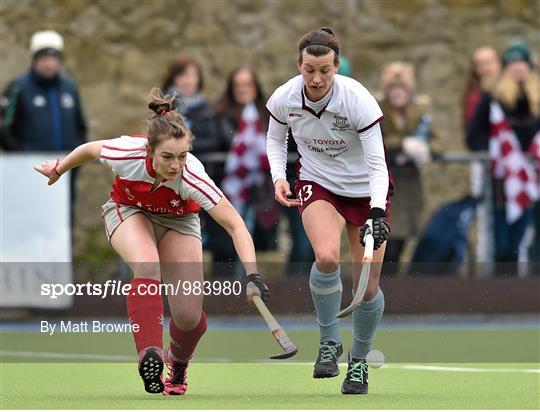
{"x":342,"y":181}
{"x":151,"y":221}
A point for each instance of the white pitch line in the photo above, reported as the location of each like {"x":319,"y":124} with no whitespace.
{"x":59,"y":355}
{"x":105,"y":357}
{"x":421,"y":367}
{"x":461,"y":369}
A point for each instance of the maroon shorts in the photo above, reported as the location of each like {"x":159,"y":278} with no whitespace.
{"x":354,"y":209}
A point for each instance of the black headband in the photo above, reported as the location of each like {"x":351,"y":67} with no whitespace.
{"x":319,"y":44}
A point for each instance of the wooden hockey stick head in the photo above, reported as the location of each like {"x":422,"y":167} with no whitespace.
{"x":286,"y":344}
{"x":290,"y":349}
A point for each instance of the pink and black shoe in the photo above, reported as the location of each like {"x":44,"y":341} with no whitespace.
{"x":176,"y":382}
{"x":151,"y":369}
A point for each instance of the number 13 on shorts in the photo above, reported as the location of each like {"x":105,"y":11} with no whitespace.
{"x":304,"y":193}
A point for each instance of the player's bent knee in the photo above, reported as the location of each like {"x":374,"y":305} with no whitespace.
{"x":327,"y":262}
{"x":327,"y":256}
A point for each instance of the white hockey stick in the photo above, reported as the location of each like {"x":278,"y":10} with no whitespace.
{"x":364,"y":275}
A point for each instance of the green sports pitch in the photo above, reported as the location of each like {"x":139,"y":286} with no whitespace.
{"x":427,"y":369}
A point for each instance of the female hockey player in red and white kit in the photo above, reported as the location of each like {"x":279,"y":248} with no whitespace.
{"x":342,"y":182}
{"x":151,"y":221}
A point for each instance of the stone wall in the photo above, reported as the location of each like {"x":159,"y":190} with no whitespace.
{"x":117,"y":51}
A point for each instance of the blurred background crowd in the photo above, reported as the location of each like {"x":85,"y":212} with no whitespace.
{"x":437,"y":92}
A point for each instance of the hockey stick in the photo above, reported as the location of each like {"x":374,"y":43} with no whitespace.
{"x":364,"y":275}
{"x":279,"y":334}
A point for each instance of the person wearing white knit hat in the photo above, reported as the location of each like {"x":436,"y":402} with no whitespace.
{"x":40,"y":110}
{"x":44,"y":98}
{"x":46,"y":40}
{"x":47,"y":53}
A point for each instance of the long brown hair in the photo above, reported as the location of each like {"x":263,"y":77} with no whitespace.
{"x":177,"y":68}
{"x":229,"y":107}
{"x":166,"y":122}
{"x":474,"y":83}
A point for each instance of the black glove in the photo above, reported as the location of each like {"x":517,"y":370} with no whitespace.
{"x":254,"y":281}
{"x":381,"y":228}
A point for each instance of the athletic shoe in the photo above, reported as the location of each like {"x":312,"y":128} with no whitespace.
{"x":356,"y":381}
{"x":151,"y":369}
{"x":326,"y":365}
{"x":176,"y":382}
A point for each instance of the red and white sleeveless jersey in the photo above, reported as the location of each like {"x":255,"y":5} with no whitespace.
{"x":127,"y":157}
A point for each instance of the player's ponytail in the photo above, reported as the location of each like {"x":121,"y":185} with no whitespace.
{"x":318,"y":43}
{"x":166,"y":122}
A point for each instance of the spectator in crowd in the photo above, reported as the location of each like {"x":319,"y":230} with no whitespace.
{"x":407,"y":131}
{"x":41,"y":109}
{"x":509,"y":118}
{"x":485,"y":69}
{"x":242,"y":121}
{"x":185,"y":78}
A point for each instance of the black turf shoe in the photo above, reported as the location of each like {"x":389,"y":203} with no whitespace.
{"x":356,"y":381}
{"x":326,"y":365}
{"x":151,"y":369}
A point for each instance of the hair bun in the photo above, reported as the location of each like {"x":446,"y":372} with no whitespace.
{"x":160,"y":102}
{"x":160,"y":107}
{"x":327,"y":30}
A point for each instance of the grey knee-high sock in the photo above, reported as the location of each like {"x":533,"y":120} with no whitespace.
{"x":366,"y":318}
{"x":326,"y":293}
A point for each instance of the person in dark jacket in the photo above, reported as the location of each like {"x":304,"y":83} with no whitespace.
{"x":185,"y":78}
{"x":242,"y":121}
{"x":517,"y":90}
{"x":485,"y":69}
{"x":518,"y":93}
{"x":41,"y":109}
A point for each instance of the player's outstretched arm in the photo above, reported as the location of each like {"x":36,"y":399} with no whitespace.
{"x":85,"y":153}
{"x":228,"y":218}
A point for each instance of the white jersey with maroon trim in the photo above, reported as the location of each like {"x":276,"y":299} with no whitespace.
{"x":340,"y":147}
{"x":127,"y":157}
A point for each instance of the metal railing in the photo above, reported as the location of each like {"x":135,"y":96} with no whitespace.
{"x":480,"y":188}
